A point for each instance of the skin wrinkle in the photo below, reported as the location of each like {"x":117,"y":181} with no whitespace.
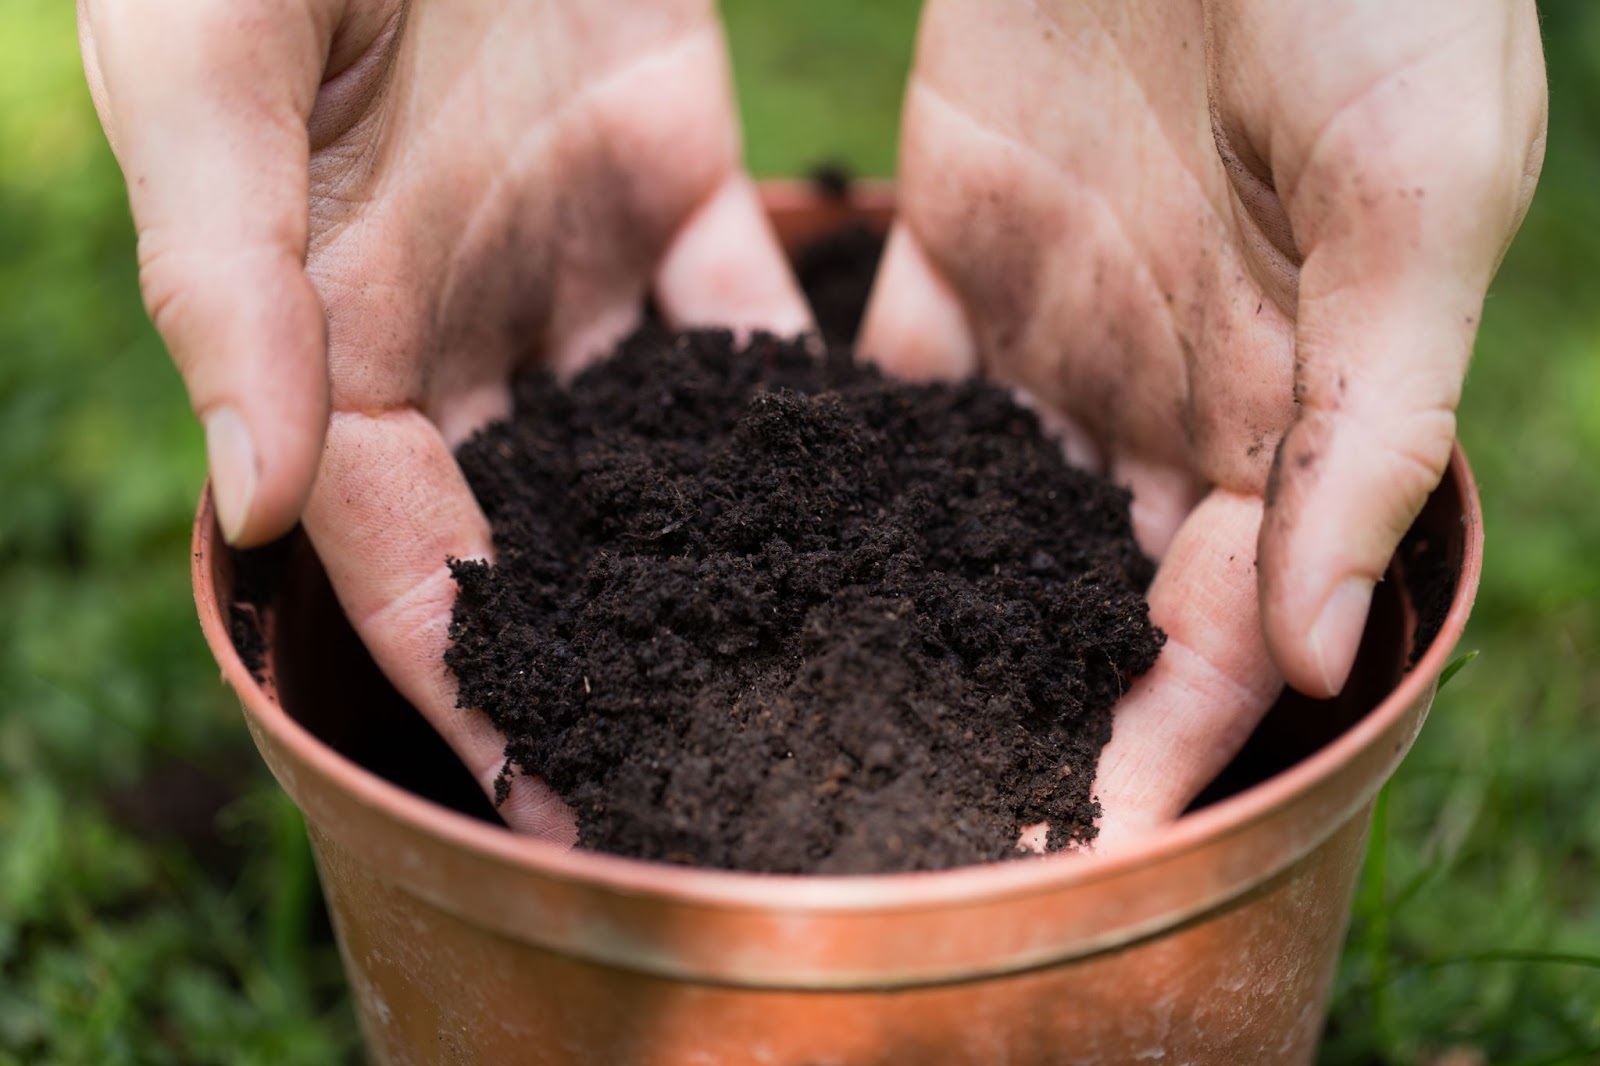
{"x":1132,"y":76}
{"x":528,"y":145}
{"x":344,"y":101}
{"x":506,"y":173}
{"x":1246,"y":694}
{"x":423,"y":599}
{"x":349,"y":170}
{"x":1222,"y":467}
{"x":330,"y":276}
{"x":165,"y":300}
{"x":1266,"y":252}
{"x":341,"y":176}
{"x":1291,"y":182}
{"x":1348,"y":420}
{"x":336,"y":62}
{"x":1032,"y":153}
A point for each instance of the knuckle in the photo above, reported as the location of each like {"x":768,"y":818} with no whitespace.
{"x":1420,"y":449}
{"x":167,"y":280}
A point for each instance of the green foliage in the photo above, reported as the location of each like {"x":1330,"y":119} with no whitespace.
{"x":128,"y":937}
{"x":118,"y":944}
{"x":820,"y":81}
{"x":1487,"y":911}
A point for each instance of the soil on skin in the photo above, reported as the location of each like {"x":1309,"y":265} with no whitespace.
{"x":761,"y":610}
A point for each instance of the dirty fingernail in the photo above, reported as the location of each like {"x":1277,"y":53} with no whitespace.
{"x":1337,"y":633}
{"x":232,"y":456}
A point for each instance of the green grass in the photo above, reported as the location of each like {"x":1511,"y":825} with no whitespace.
{"x":140,"y":925}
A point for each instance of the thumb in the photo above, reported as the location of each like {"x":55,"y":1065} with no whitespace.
{"x":205,"y":103}
{"x":1372,"y":440}
{"x":1403,"y":201}
{"x":915,"y":326}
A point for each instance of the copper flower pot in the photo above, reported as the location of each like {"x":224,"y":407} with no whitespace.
{"x":1213,"y":942}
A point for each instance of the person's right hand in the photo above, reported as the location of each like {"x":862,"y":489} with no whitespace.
{"x":356,"y":218}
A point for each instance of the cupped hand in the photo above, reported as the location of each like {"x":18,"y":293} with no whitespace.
{"x":356,"y":218}
{"x":1240,"y":247}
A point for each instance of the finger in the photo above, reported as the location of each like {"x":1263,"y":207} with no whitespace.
{"x":1352,"y":473}
{"x":1163,"y":496}
{"x":389,"y":507}
{"x":608,"y":315}
{"x":1182,"y":722}
{"x":1403,"y":226}
{"x":1078,"y":445}
{"x":726,"y":268}
{"x":915,"y":327}
{"x":206,"y":103}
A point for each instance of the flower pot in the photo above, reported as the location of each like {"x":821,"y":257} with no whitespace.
{"x":1214,"y":941}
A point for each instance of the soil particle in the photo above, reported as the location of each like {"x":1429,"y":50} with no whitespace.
{"x":759,"y":610}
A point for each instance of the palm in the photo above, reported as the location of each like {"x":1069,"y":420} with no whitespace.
{"x":517,"y":183}
{"x":1154,"y":297}
{"x":507,"y":191}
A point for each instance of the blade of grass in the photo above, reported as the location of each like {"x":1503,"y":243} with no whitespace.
{"x":1371,"y":986}
{"x":1589,"y":1054}
{"x":1374,"y":908}
{"x":1538,"y":958}
{"x":1455,"y":667}
{"x":293,"y":884}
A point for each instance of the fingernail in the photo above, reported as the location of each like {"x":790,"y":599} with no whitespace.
{"x":233,"y":470}
{"x":1337,"y":633}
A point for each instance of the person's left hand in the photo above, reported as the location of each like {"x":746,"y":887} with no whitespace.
{"x":1241,"y":248}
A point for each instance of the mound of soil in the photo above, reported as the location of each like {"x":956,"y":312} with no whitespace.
{"x":763,"y":610}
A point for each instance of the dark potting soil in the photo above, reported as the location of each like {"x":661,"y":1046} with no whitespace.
{"x":836,"y":272}
{"x":767,"y":611}
{"x":1430,"y":577}
{"x":257,"y":573}
{"x":837,"y":269}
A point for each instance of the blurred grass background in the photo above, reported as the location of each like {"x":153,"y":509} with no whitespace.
{"x":157,"y":902}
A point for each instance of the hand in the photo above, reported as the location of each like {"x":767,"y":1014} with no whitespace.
{"x":357,"y":217}
{"x":1241,"y":247}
